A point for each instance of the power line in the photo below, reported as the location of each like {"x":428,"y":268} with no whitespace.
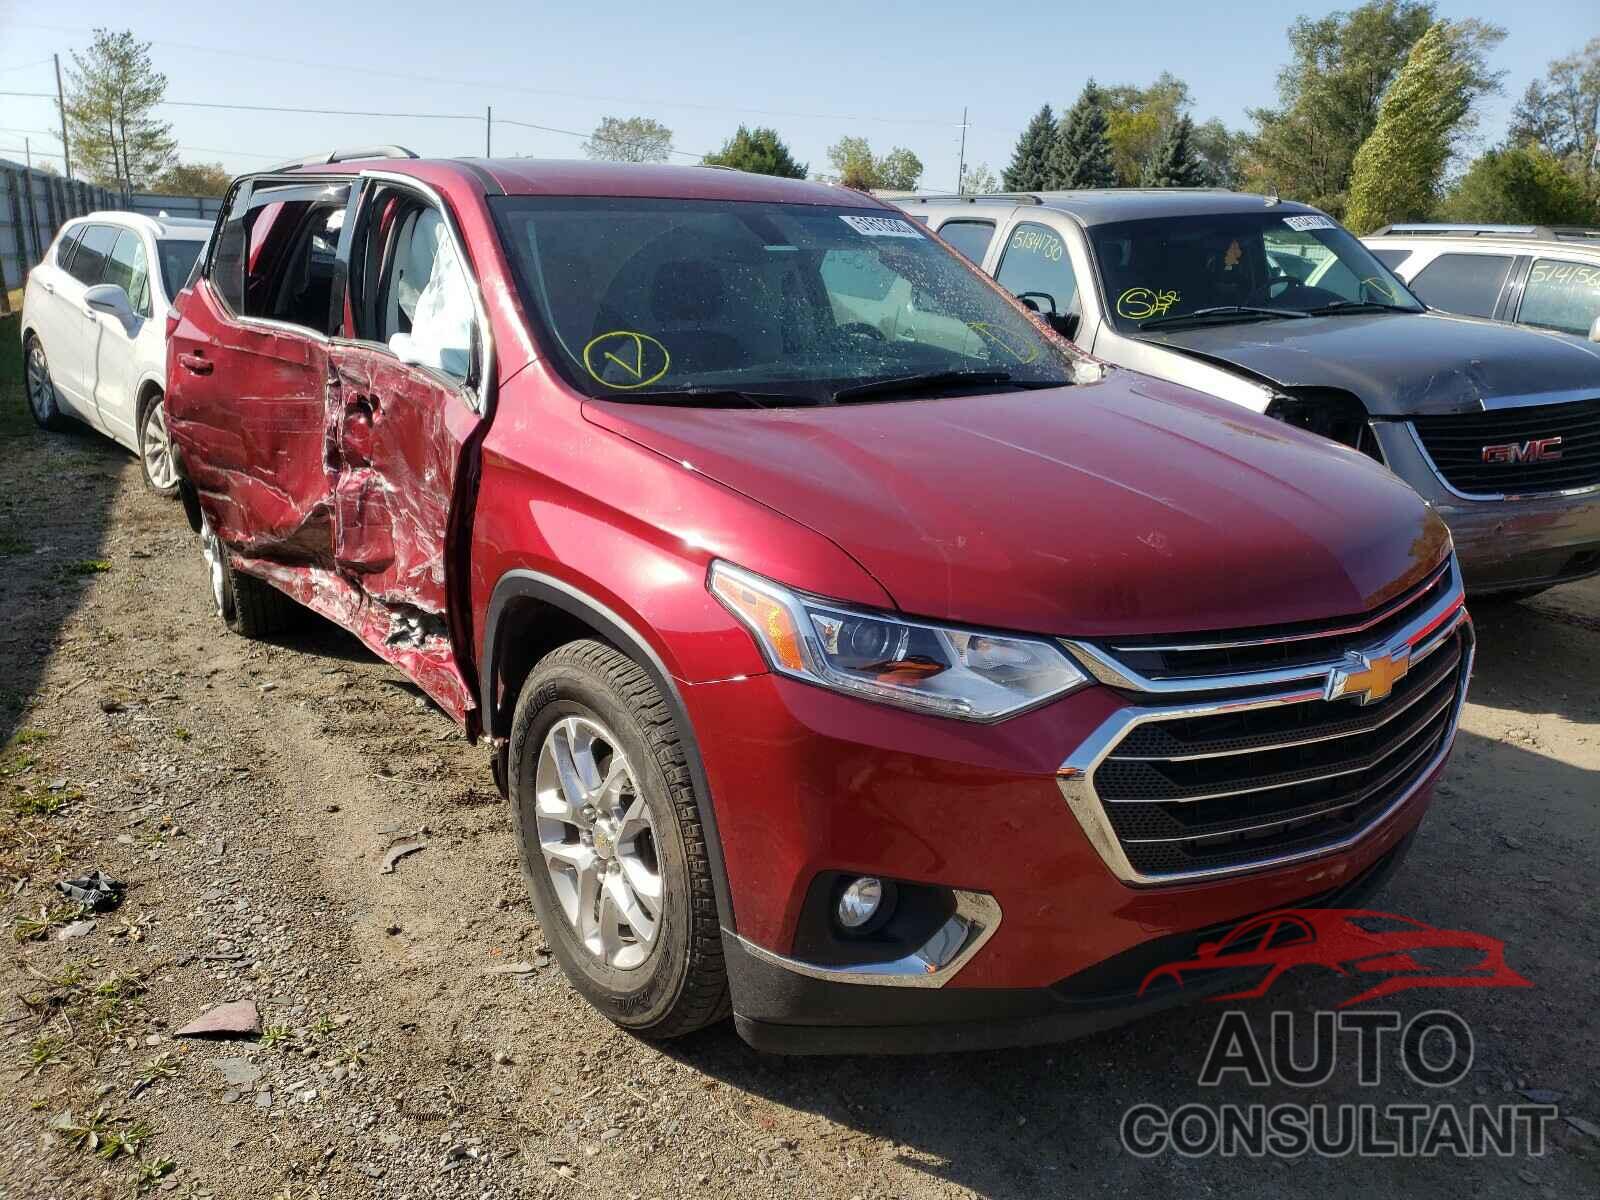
{"x":24,"y":66}
{"x":498,"y":86}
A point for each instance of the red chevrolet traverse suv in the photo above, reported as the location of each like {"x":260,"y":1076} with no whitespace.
{"x":857,"y":655}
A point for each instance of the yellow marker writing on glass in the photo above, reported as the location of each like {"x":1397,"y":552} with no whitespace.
{"x":641,"y":358}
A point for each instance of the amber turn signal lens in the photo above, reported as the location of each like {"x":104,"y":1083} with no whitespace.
{"x":766,"y":614}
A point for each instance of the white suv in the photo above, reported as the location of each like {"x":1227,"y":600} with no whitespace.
{"x":1531,"y":274}
{"x":94,"y":328}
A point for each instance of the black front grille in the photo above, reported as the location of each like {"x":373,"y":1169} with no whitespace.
{"x":1236,"y":787}
{"x":1457,"y":445}
{"x":1279,"y":646}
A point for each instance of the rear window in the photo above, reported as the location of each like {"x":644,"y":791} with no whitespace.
{"x":970,"y":237}
{"x":89,"y":263}
{"x":1564,"y":296}
{"x":1391,"y":258}
{"x":68,"y":244}
{"x":1466,"y":284}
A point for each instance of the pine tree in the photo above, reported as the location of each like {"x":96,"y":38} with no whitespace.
{"x":1030,"y":165}
{"x":1081,"y":156}
{"x":1398,"y":168}
{"x":1173,"y":163}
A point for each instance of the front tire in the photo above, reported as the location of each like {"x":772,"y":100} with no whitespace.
{"x":249,"y":606}
{"x":155,"y":448}
{"x":43,"y":403}
{"x":613,"y":852}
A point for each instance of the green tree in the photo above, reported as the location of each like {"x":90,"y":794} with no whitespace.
{"x":978,"y":181}
{"x":760,"y":151}
{"x":1081,"y":156}
{"x":1329,"y":95}
{"x":1562,"y":114}
{"x":1398,"y":169}
{"x":112,"y":89}
{"x":899,"y":170}
{"x":855,"y":166}
{"x":1217,"y":148}
{"x":192,"y":179}
{"x":1030,"y":162}
{"x":1136,"y":120}
{"x":629,"y":139}
{"x":1173,"y":164}
{"x":1517,"y":185}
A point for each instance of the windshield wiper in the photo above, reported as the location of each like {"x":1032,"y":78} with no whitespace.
{"x":715,"y":397}
{"x":1353,"y":306}
{"x":930,"y":381}
{"x":1222,"y":310}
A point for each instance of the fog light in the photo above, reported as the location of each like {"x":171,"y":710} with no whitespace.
{"x":860,"y":902}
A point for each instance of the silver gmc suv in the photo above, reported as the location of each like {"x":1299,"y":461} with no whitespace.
{"x":1275,"y":306}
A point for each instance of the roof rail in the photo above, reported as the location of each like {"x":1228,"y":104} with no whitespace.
{"x":1019,"y":197}
{"x":339,"y":156}
{"x":1548,"y":233}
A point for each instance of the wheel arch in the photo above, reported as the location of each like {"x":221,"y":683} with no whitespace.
{"x":531,"y":614}
{"x":149,"y":387}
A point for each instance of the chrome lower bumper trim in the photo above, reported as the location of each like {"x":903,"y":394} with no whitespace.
{"x":931,"y":965}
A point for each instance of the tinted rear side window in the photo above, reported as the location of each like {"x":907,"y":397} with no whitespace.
{"x":1561,"y":295}
{"x":971,"y":238}
{"x":1391,"y":258}
{"x":1468,"y":284}
{"x":69,"y":243}
{"x":1036,"y":266}
{"x":89,"y":263}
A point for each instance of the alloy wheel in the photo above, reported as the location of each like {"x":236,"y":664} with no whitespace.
{"x":598,"y":839}
{"x":157,"y":448}
{"x":211,"y":548}
{"x":41,"y":392}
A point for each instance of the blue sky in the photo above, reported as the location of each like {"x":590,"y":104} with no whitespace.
{"x":897,"y":74}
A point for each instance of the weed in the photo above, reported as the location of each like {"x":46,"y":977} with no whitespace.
{"x":40,"y":802}
{"x":128,"y":1140}
{"x":32,"y":929}
{"x":274,"y":1036}
{"x":161,"y":1067}
{"x":86,"y":1133}
{"x":30,"y":737}
{"x":182,"y":734}
{"x":45,"y":1051}
{"x":87,"y":566}
{"x":147,"y":1174}
{"x":324,"y":1026}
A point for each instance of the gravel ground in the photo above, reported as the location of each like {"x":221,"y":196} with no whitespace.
{"x":418,"y":1041}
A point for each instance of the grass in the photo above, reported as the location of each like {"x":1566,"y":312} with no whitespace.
{"x":87,"y":566}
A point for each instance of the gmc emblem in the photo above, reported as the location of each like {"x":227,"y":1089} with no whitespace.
{"x":1538,"y":450}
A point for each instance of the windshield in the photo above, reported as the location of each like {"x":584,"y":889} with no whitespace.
{"x":177,"y":260}
{"x":1172,"y":267}
{"x":650,"y":300}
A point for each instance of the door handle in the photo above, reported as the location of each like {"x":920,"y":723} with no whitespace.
{"x":49,"y":288}
{"x":88,"y":314}
{"x":195,"y":364}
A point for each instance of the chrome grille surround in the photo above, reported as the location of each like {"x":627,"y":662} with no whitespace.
{"x":1424,"y":717}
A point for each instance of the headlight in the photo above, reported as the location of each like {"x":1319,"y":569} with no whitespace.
{"x":953,"y":672}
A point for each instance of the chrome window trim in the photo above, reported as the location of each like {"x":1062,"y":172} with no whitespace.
{"x":1075,"y":777}
{"x":932,"y":965}
{"x":1492,"y":496}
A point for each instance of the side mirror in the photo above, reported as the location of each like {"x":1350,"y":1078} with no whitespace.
{"x":1066,"y":324}
{"x":1594,"y":331}
{"x":111,"y":300}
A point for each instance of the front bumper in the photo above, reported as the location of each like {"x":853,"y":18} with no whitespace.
{"x":805,"y":781}
{"x":1508,"y":543}
{"x":782,"y":1012}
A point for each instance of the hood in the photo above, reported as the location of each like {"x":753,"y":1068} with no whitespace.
{"x":1400,"y":364}
{"x":1123,"y":506}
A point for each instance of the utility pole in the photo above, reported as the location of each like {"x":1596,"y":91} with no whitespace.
{"x":488,"y":131}
{"x":961,"y":170}
{"x":61,"y":104}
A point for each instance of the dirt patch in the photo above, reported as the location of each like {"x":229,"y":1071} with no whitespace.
{"x":417,"y":1040}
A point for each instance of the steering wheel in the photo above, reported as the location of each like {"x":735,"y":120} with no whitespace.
{"x":1285,"y":284}
{"x":862,"y":329}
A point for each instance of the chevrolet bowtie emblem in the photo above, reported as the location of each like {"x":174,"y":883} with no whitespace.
{"x":1370,"y":676}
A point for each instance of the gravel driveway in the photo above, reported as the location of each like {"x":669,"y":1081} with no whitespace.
{"x":418,"y":1040}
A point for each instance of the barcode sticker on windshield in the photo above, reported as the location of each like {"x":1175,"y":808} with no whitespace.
{"x":881,"y":226}
{"x":1301,"y":224}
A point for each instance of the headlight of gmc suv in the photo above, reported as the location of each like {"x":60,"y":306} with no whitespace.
{"x":930,"y":668}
